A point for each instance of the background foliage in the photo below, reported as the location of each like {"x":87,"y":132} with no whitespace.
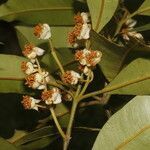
{"x":124,"y":67}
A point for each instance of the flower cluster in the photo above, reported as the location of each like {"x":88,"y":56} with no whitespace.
{"x":87,"y":59}
{"x":128,"y":31}
{"x":38,"y":80}
{"x":81,"y":29}
{"x":36,"y":77}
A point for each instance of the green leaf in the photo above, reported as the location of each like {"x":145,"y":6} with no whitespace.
{"x":128,"y":129}
{"x":38,"y":144}
{"x":6,"y":145}
{"x":143,"y":28}
{"x":114,"y":56}
{"x":144,"y":8}
{"x":59,"y":36}
{"x":17,"y":135}
{"x":36,"y":135}
{"x":53,"y":12}
{"x":10,"y":66}
{"x":101,"y":12}
{"x":11,"y":76}
{"x":132,"y":80}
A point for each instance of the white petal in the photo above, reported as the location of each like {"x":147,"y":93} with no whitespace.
{"x":39,"y":51}
{"x":46,"y":32}
{"x":39,"y":78}
{"x":48,"y":102}
{"x":83,"y":62}
{"x":30,"y":68}
{"x":47,"y":79}
{"x":132,"y":24}
{"x":57,"y":99}
{"x":75,"y":45}
{"x":32,"y":55}
{"x":37,"y":100}
{"x":35,"y":108}
{"x":32,"y":102}
{"x":32,"y":60}
{"x":138,"y":36}
{"x":125,"y":37}
{"x":86,"y":51}
{"x":86,"y":70}
{"x":85,"y":32}
{"x":35,"y":85}
{"x":75,"y":74}
{"x":41,"y":87}
{"x":85,"y":17}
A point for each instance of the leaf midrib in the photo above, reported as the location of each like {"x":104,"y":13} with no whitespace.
{"x":11,"y":78}
{"x":131,"y":138}
{"x":38,"y":9}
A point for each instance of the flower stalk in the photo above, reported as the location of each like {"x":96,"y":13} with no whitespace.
{"x":57,"y":123}
{"x":53,"y":52}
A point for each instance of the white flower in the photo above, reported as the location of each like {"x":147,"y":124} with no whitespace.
{"x":128,"y":30}
{"x":71,"y":77}
{"x":85,"y":32}
{"x":31,"y":52}
{"x":38,"y":80}
{"x":42,"y":31}
{"x":88,"y":57}
{"x":52,"y":96}
{"x":30,"y":102}
{"x":28,"y":68}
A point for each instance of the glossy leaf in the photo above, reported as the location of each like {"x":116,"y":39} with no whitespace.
{"x":11,"y":76}
{"x":53,"y":12}
{"x":128,"y":129}
{"x":144,"y":8}
{"x":114,"y":56}
{"x":17,"y":135}
{"x":6,"y":145}
{"x":101,"y":12}
{"x":134,"y":79}
{"x":36,"y":135}
{"x":143,"y":28}
{"x":38,"y":144}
